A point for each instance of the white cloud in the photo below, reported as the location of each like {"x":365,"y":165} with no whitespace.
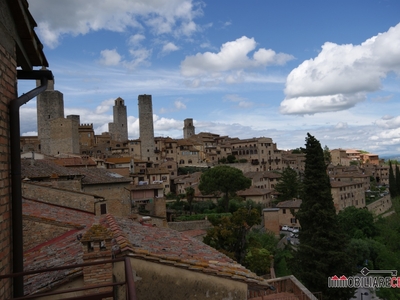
{"x":241,"y":101}
{"x":104,"y":106}
{"x":110,"y":57}
{"x":233,"y":56}
{"x":136,"y":39}
{"x":341,"y":75}
{"x":341,"y":125}
{"x":169,"y":47}
{"x":179,"y":105}
{"x":75,"y":17}
{"x":389,"y":122}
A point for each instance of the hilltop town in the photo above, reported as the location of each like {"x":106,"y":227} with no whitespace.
{"x":161,"y":163}
{"x":87,"y":216}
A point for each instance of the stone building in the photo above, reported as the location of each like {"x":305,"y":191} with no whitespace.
{"x":188,"y":128}
{"x":119,"y":127}
{"x":19,"y":48}
{"x":146,"y":128}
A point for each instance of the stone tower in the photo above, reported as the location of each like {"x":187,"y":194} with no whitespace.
{"x":119,"y":128}
{"x":188,"y":128}
{"x":146,"y":129}
{"x":50,"y":106}
{"x":64,"y":135}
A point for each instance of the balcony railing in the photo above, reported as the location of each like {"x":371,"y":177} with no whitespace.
{"x":128,"y":283}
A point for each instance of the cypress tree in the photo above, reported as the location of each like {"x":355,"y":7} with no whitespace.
{"x":321,"y":253}
{"x":397,"y":180}
{"x":392,"y":181}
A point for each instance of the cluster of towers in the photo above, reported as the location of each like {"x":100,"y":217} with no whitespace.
{"x":58,"y":134}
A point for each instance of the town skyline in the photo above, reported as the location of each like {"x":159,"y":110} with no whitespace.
{"x":236,"y":72}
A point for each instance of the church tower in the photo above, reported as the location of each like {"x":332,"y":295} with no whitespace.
{"x":146,"y":129}
{"x":119,"y":128}
{"x":188,"y":128}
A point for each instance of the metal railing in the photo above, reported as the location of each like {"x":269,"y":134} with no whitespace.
{"x":128,"y":282}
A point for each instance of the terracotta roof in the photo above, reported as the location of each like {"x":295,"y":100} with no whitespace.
{"x":74,"y":161}
{"x":146,"y":186}
{"x":159,"y":245}
{"x":338,"y":184}
{"x":189,"y":178}
{"x":153,"y":171}
{"x":167,"y":246}
{"x":119,"y":160}
{"x":253,"y":191}
{"x":63,"y":250}
{"x":295,"y":203}
{"x":45,"y":169}
{"x":99,"y":175}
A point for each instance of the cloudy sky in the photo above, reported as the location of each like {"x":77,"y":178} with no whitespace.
{"x":276,"y":68}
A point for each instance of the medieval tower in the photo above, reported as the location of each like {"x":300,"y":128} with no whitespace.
{"x":50,"y":106}
{"x":119,"y":128}
{"x":146,"y":129}
{"x":188,"y":128}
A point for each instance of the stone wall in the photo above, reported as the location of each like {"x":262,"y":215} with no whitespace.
{"x":190,"y":225}
{"x":61,"y":197}
{"x":157,"y":281}
{"x":64,"y":135}
{"x":8,"y":92}
{"x":380,"y":206}
{"x":116,"y":195}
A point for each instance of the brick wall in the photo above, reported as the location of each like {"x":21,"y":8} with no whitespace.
{"x":8,"y":92}
{"x":66,"y":198}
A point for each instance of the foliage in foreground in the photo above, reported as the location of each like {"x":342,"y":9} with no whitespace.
{"x":321,"y":252}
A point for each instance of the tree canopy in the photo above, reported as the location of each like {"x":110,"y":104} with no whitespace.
{"x":288,"y":185}
{"x":321,"y":252}
{"x":223,"y":180}
{"x":229,"y":233}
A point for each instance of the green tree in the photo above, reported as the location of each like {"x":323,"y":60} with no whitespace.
{"x":397,"y":186}
{"x":224,"y":180}
{"x":327,"y":155}
{"x":392,"y":181}
{"x":321,"y":252}
{"x":357,"y":222}
{"x":288,"y":185}
{"x":228,"y":234}
{"x":231,"y":158}
{"x":190,"y":197}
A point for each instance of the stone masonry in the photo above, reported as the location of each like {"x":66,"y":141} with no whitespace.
{"x":119,"y":128}
{"x":50,"y":106}
{"x":188,"y":128}
{"x":147,"y":145}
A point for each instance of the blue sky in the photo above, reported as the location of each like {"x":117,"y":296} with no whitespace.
{"x":268,"y":68}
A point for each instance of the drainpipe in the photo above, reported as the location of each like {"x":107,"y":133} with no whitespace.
{"x":16,"y":193}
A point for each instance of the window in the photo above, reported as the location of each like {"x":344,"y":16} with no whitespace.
{"x":284,"y":210}
{"x":103,"y":209}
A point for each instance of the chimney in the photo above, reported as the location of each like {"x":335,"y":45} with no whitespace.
{"x":96,"y":244}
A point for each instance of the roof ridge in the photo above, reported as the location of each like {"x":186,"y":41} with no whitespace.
{"x":119,"y":236}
